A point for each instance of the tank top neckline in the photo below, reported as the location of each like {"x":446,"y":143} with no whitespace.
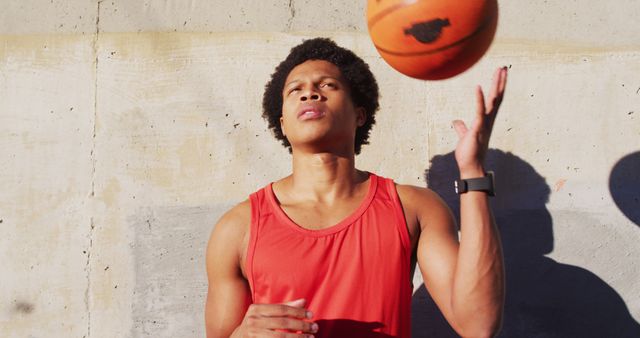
{"x":350,"y":219}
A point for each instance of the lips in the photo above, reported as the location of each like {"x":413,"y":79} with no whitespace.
{"x":309,"y":113}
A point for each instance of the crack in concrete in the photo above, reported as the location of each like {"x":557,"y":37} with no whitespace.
{"x":87,"y":294}
{"x":95,"y":100}
{"x":292,"y":10}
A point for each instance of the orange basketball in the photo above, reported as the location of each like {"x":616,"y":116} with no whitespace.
{"x":432,"y":39}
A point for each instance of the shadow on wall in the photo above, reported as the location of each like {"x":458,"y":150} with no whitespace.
{"x":624,"y":185}
{"x":544,"y":298}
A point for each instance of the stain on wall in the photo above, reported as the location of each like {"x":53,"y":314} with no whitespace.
{"x":167,"y":300}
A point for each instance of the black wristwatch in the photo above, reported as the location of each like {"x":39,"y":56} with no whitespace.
{"x":485,"y":184}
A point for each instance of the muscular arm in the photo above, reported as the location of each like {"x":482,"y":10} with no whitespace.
{"x":479,"y":283}
{"x":228,"y":296}
{"x":466,"y":277}
{"x":229,"y":311}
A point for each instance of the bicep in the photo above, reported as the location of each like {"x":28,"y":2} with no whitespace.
{"x":437,"y":251}
{"x":228,"y":295}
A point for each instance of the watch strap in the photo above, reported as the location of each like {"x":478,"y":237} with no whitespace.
{"x":485,"y":184}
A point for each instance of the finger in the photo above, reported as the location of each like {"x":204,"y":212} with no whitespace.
{"x":300,"y":303}
{"x":480,"y":104}
{"x":288,"y":335}
{"x":296,"y":303}
{"x":495,"y":85}
{"x":290,"y":324}
{"x":280,"y":310}
{"x":503,"y":82}
{"x":460,"y":128}
{"x":497,"y":91}
{"x":497,"y":100}
{"x":281,"y":334}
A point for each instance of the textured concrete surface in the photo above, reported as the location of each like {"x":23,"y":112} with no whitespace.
{"x":167,"y":302}
{"x":46,"y":123}
{"x":127,"y":128}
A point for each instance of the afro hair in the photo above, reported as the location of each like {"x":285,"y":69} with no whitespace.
{"x":362,"y":84}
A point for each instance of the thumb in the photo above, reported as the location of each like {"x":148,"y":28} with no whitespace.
{"x":296,"y":303}
{"x":460,"y":128}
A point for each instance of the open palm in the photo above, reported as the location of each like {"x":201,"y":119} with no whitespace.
{"x":473,"y":141}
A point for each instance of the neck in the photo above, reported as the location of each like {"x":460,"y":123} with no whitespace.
{"x":324,"y":177}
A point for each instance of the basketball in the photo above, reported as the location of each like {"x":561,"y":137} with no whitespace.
{"x":432,"y":39}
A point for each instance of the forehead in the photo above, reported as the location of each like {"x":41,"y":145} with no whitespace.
{"x":314,"y":68}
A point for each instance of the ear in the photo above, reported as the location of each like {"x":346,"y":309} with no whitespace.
{"x":282,"y":126}
{"x":361,"y":116}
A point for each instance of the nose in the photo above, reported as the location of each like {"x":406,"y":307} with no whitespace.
{"x":310,"y":95}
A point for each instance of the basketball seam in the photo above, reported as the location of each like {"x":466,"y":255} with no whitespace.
{"x":386,"y":12}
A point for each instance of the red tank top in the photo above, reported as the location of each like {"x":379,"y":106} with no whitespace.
{"x":354,"y":275}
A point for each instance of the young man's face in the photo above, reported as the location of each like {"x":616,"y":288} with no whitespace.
{"x":317,"y":111}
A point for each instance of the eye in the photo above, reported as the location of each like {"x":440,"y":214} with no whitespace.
{"x":292,"y":90}
{"x":329,"y":84}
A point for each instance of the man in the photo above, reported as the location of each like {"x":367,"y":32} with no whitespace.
{"x":329,"y":250}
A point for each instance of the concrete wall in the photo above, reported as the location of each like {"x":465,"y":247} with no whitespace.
{"x":128,"y":127}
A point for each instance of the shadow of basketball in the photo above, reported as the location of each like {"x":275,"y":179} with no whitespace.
{"x":624,"y":185}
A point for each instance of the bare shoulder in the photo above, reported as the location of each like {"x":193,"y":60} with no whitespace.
{"x":230,"y":235}
{"x":413,"y":191}
{"x":235,"y":222}
{"x":413,"y":196}
{"x":423,"y":204}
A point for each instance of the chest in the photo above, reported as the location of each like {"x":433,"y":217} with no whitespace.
{"x":322,"y":219}
{"x":287,"y":263}
{"x":317,"y":216}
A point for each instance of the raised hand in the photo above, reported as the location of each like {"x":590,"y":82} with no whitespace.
{"x":277,"y":320}
{"x":473,"y":142}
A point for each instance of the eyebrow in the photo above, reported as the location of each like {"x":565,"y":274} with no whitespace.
{"x":323,"y":77}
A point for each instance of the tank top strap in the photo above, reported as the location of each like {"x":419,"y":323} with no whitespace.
{"x":389,"y":191}
{"x":258,"y":207}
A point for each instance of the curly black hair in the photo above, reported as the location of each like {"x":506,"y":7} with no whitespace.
{"x":362,"y":84}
